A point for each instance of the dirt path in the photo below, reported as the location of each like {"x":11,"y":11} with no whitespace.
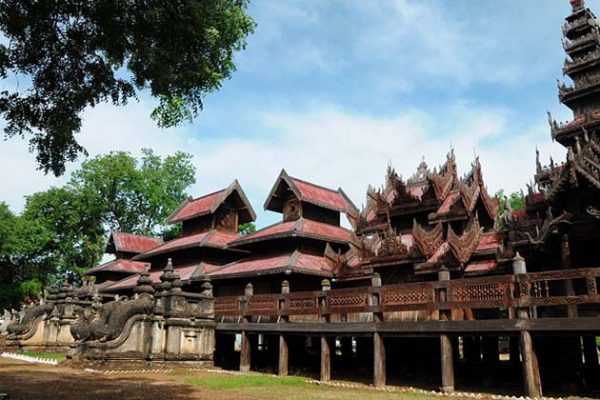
{"x":26,"y":381}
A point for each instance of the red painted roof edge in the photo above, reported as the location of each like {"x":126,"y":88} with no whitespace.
{"x":201,"y":243}
{"x":295,"y":231}
{"x":111,"y":238}
{"x":273,"y":271}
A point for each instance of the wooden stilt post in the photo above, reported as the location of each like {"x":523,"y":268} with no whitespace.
{"x":283,"y":343}
{"x":378,"y":344}
{"x":565,"y":255}
{"x":590,"y":352}
{"x":325,"y":374}
{"x":446,"y":356}
{"x":246,"y":346}
{"x":531,"y":371}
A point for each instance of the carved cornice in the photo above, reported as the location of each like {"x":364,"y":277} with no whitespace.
{"x":464,"y":246}
{"x":428,"y":241}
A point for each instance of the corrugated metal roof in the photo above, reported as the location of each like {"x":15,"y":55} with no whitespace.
{"x":213,"y":238}
{"x":119,"y":265}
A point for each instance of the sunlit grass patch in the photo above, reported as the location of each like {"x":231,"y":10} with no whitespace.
{"x":246,"y":381}
{"x":51,"y":356}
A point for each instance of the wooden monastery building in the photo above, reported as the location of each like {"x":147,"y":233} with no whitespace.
{"x":431,"y":282}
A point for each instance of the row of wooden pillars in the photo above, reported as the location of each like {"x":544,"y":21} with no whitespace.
{"x":447,"y":354}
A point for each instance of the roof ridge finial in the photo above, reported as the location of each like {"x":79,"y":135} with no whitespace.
{"x":576,"y":4}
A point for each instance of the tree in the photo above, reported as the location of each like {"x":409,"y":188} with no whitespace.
{"x":516,"y":200}
{"x":76,"y":54}
{"x":247,"y":228}
{"x":134,"y":197}
{"x":62,"y":231}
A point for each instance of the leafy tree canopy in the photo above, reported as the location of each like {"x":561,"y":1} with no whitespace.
{"x":74,"y":54}
{"x":62,"y":231}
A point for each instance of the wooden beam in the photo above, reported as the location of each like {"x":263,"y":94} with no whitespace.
{"x":283,"y":356}
{"x":379,"y":377}
{"x":588,"y":325}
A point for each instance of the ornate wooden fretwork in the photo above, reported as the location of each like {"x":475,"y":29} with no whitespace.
{"x":445,"y":180}
{"x":464,"y":246}
{"x":428,"y":241}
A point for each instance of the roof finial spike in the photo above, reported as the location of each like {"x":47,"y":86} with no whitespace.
{"x":576,"y":4}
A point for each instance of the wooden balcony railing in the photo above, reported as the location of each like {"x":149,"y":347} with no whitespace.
{"x":531,"y":290}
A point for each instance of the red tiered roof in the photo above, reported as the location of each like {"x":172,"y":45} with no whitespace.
{"x":196,"y":207}
{"x":120,"y":265}
{"x":293,"y":262}
{"x":301,"y":228}
{"x":335,"y":200}
{"x":319,"y":195}
{"x":185,"y":272}
{"x":213,"y":238}
{"x":209,"y":203}
{"x":129,"y":243}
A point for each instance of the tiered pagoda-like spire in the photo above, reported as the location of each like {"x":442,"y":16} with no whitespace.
{"x":581,"y":41}
{"x":434,"y":219}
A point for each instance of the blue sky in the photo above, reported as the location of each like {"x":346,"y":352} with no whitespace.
{"x":334,"y":91}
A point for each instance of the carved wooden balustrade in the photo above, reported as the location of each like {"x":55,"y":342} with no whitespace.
{"x":541,"y":289}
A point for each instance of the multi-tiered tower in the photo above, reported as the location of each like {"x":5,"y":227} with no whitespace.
{"x":566,"y":204}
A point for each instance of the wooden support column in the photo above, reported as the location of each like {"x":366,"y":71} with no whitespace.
{"x":283,"y":367}
{"x":590,"y":352}
{"x":379,"y":376}
{"x":446,"y":356}
{"x":325,"y":374}
{"x":531,"y":371}
{"x":565,"y":256}
{"x":245,"y":352}
{"x":246,"y":346}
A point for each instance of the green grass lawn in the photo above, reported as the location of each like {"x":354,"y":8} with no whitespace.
{"x":52,"y":356}
{"x":290,"y":388}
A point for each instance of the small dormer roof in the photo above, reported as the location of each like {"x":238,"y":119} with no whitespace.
{"x":320,"y":196}
{"x":208,"y":204}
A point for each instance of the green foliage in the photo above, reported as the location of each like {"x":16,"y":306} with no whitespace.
{"x":76,"y":54}
{"x":62,"y":231}
{"x":247,"y":228}
{"x":134,"y":197}
{"x":516,"y":200}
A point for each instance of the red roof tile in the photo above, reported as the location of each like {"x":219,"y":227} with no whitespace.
{"x":196,"y":207}
{"x":213,"y":238}
{"x":119,"y":265}
{"x":448,"y":202}
{"x":295,"y":262}
{"x":309,"y":192}
{"x":322,"y":196}
{"x":185,"y":272}
{"x":439,"y":253}
{"x":492,"y":240}
{"x":302,"y":228}
{"x":129,"y":243}
{"x":481,"y":266}
{"x":209,"y":203}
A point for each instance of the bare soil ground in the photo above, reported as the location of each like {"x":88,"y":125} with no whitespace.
{"x":26,"y":381}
